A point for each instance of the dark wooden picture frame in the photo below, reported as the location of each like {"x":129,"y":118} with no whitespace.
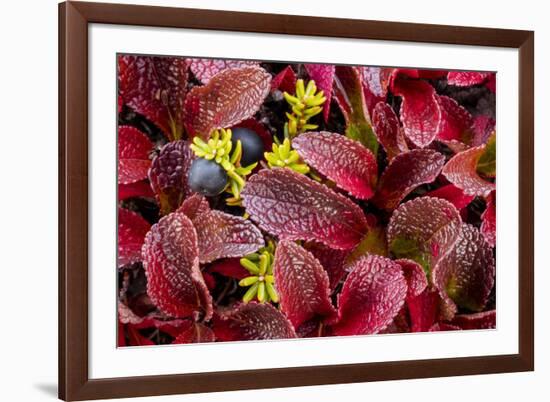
{"x":74,"y":19}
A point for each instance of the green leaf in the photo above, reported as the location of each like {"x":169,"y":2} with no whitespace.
{"x":486,"y":165}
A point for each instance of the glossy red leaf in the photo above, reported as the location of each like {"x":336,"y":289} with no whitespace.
{"x":371,"y":297}
{"x":323,"y":75}
{"x":483,"y":126}
{"x":489,"y":218}
{"x":230,"y":267}
{"x":290,"y":205}
{"x":138,"y":189}
{"x":332,"y":261}
{"x":466,"y":78}
{"x":461,"y":171}
{"x":400,"y":323}
{"x":388,"y":130}
{"x":420,"y":110}
{"x":455,"y":123}
{"x":466,"y":275}
{"x":423,"y":229}
{"x":285,"y":80}
{"x":346,"y":162}
{"x":375,"y":85}
{"x":423,"y":310}
{"x":230,"y":97}
{"x":171,"y":261}
{"x":132,"y":229}
{"x":483,"y":320}
{"x":406,"y":172}
{"x":168,"y":175}
{"x":171,"y":327}
{"x":452,"y":194}
{"x":155,"y":87}
{"x":222,"y":235}
{"x":133,"y":155}
{"x":194,"y":332}
{"x":205,"y":69}
{"x":194,"y":206}
{"x":252,"y":321}
{"x":415,"y":276}
{"x":302,"y":284}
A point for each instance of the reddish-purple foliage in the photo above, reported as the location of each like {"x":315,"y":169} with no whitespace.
{"x":133,"y":155}
{"x":132,"y":229}
{"x":285,"y":80}
{"x":323,"y":75}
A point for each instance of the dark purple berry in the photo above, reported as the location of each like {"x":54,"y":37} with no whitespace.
{"x":207,"y":177}
{"x":252,"y":145}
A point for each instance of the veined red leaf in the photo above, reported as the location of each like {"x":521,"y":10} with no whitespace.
{"x":415,"y":276}
{"x":171,"y":327}
{"x":290,"y":205}
{"x":482,"y":127}
{"x":132,"y":229}
{"x":424,"y":230}
{"x":349,"y":94}
{"x":168,"y":175}
{"x":442,"y":326}
{"x":452,"y":194}
{"x":230,"y":97}
{"x":155,"y":87}
{"x":420,"y":110}
{"x":205,"y":69}
{"x":133,"y":155}
{"x":466,"y":275}
{"x":171,"y":261}
{"x":375,"y":85}
{"x":194,"y":332}
{"x":230,"y":267}
{"x":285,"y":80}
{"x":222,"y":235}
{"x":374,"y":242}
{"x":302,"y":284}
{"x":489,"y":218}
{"x":371,"y":297}
{"x":194,"y":205}
{"x":346,"y":162}
{"x":252,"y":321}
{"x":423,"y":310}
{"x":323,"y":75}
{"x":388,"y":130}
{"x":400,"y":323}
{"x":138,"y":189}
{"x":483,"y":320}
{"x":331,"y":260}
{"x":406,"y":172}
{"x":461,"y":171}
{"x":455,"y":123}
{"x":466,"y":78}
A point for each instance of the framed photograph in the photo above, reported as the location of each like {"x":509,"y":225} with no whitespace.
{"x":259,"y":200}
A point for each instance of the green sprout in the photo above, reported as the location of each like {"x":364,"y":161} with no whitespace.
{"x":284,"y":156}
{"x":220,"y":149}
{"x":306,"y":103}
{"x":261,"y":280}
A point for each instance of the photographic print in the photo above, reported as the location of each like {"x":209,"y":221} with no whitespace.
{"x":264,"y":200}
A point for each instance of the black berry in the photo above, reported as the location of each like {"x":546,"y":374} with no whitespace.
{"x":252,"y":145}
{"x":207,"y":177}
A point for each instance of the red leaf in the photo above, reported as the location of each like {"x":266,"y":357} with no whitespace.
{"x":168,"y":175}
{"x":136,"y":339}
{"x":466,"y":78}
{"x":133,"y":155}
{"x":455,"y":121}
{"x":302,"y":283}
{"x":452,"y":194}
{"x":332,"y":261}
{"x":137,"y":189}
{"x":420,"y":110}
{"x":222,"y":235}
{"x":155,"y":87}
{"x":484,"y":320}
{"x":423,"y":229}
{"x":423,"y":310}
{"x":171,"y":262}
{"x":230,"y":267}
{"x":415,"y":277}
{"x":323,"y":75}
{"x":388,"y":131}
{"x":230,"y":97}
{"x":132,"y":229}
{"x":194,"y":332}
{"x":252,"y":321}
{"x":442,"y":326}
{"x":491,"y":83}
{"x":466,"y":275}
{"x":194,"y":206}
{"x":489,"y":224}
{"x":482,"y":127}
{"x":371,"y":297}
{"x":285,"y":80}
{"x":294,"y":207}
{"x":346,"y":162}
{"x":461,"y":171}
{"x":205,"y":69}
{"x":406,"y":172}
{"x":375,"y":85}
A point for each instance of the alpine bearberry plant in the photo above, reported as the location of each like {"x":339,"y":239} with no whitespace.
{"x":272,"y":201}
